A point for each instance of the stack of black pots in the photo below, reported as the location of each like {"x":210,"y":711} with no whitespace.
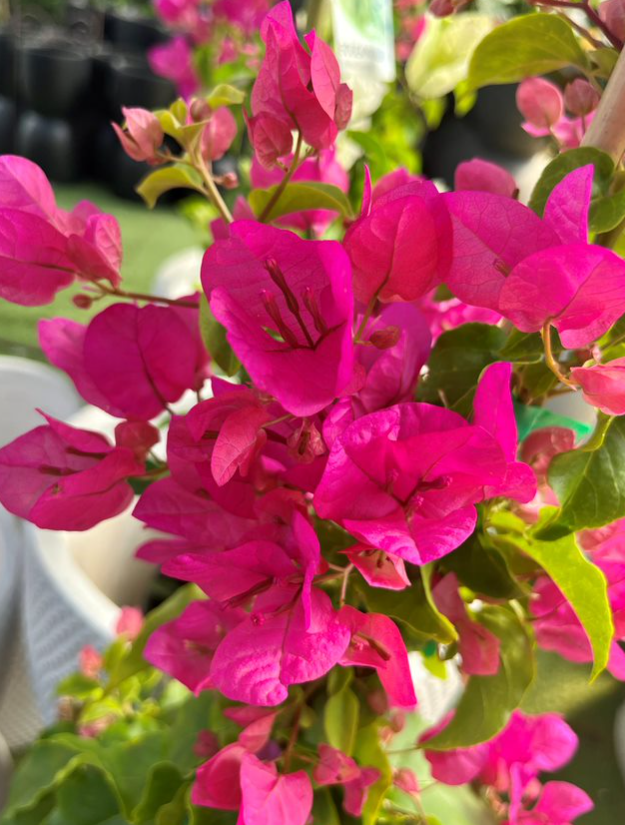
{"x":61,"y":85}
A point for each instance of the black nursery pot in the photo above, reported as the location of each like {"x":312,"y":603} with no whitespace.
{"x":8,"y":122}
{"x":134,"y":84}
{"x":58,"y":145}
{"x":8,"y":56}
{"x":55,"y":80}
{"x":131,"y":31}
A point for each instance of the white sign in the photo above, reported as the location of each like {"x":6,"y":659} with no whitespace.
{"x":364,"y":41}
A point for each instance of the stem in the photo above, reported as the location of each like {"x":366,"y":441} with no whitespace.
{"x":550,"y":359}
{"x":346,"y":574}
{"x":211,"y":187}
{"x":283,"y":183}
{"x":589,"y":12}
{"x":288,"y":753}
{"x":368,"y":312}
{"x":598,"y":22}
{"x":607,"y":130}
{"x":142,"y":296}
{"x":315,"y":7}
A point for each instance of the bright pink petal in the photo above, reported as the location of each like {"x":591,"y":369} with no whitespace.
{"x":34,"y":260}
{"x":217,"y":782}
{"x":567,"y":206}
{"x":491,"y":234}
{"x":603,"y":385}
{"x":483,"y":176}
{"x":579,"y":288}
{"x":377,"y":642}
{"x":258,"y":660}
{"x":273,"y":799}
{"x":140,"y":359}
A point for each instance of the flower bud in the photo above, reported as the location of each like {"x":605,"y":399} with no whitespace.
{"x":580,"y":98}
{"x":612,"y":12}
{"x":82,"y":301}
{"x":199,"y":110}
{"x":540,"y":102}
{"x":142,"y":136}
{"x":442,"y":8}
{"x":230,"y":180}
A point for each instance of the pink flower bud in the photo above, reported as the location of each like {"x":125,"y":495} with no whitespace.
{"x":129,"y":623}
{"x":230,"y":180}
{"x":218,"y":133}
{"x":580,"y":98}
{"x":612,"y":12}
{"x":540,"y":102}
{"x":443,"y":8}
{"x":482,"y":176}
{"x":406,"y":781}
{"x":143,"y":135}
{"x":90,"y":662}
{"x":199,"y":110}
{"x":82,"y":301}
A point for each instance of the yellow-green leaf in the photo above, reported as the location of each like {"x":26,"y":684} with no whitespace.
{"x":584,"y":586}
{"x":225,"y":95}
{"x":298,"y":197}
{"x":164,"y":180}
{"x":530,"y":45}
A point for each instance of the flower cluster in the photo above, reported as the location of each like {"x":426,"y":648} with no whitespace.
{"x":507,"y":768}
{"x":334,"y":521}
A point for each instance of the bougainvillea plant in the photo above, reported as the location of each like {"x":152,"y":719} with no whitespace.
{"x":344,"y":438}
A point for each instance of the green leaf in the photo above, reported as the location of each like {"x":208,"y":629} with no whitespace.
{"x":488,"y":701}
{"x":165,"y":612}
{"x":78,"y":686}
{"x":441,"y":57}
{"x":215,"y":340}
{"x":482,"y":568}
{"x":607,"y":213}
{"x":43,"y":767}
{"x":375,"y":153}
{"x":87,"y":798}
{"x":297,"y":197}
{"x":225,"y":95}
{"x":162,"y":783}
{"x":524,"y":348}
{"x":584,"y":586}
{"x":530,"y":45}
{"x":174,"y":812}
{"x":566,"y":162}
{"x":589,"y":482}
{"x":412,"y":608}
{"x":324,"y":810}
{"x":163,"y":180}
{"x":186,"y":723}
{"x":368,"y":751}
{"x":340,"y":719}
{"x":458,"y":358}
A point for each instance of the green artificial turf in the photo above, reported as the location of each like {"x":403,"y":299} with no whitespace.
{"x":149,"y":238}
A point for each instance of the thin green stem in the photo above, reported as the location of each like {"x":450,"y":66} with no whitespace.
{"x":211,"y":187}
{"x":285,"y":180}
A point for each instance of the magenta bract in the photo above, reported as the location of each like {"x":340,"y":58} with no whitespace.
{"x":264,"y":278}
{"x":63,"y":478}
